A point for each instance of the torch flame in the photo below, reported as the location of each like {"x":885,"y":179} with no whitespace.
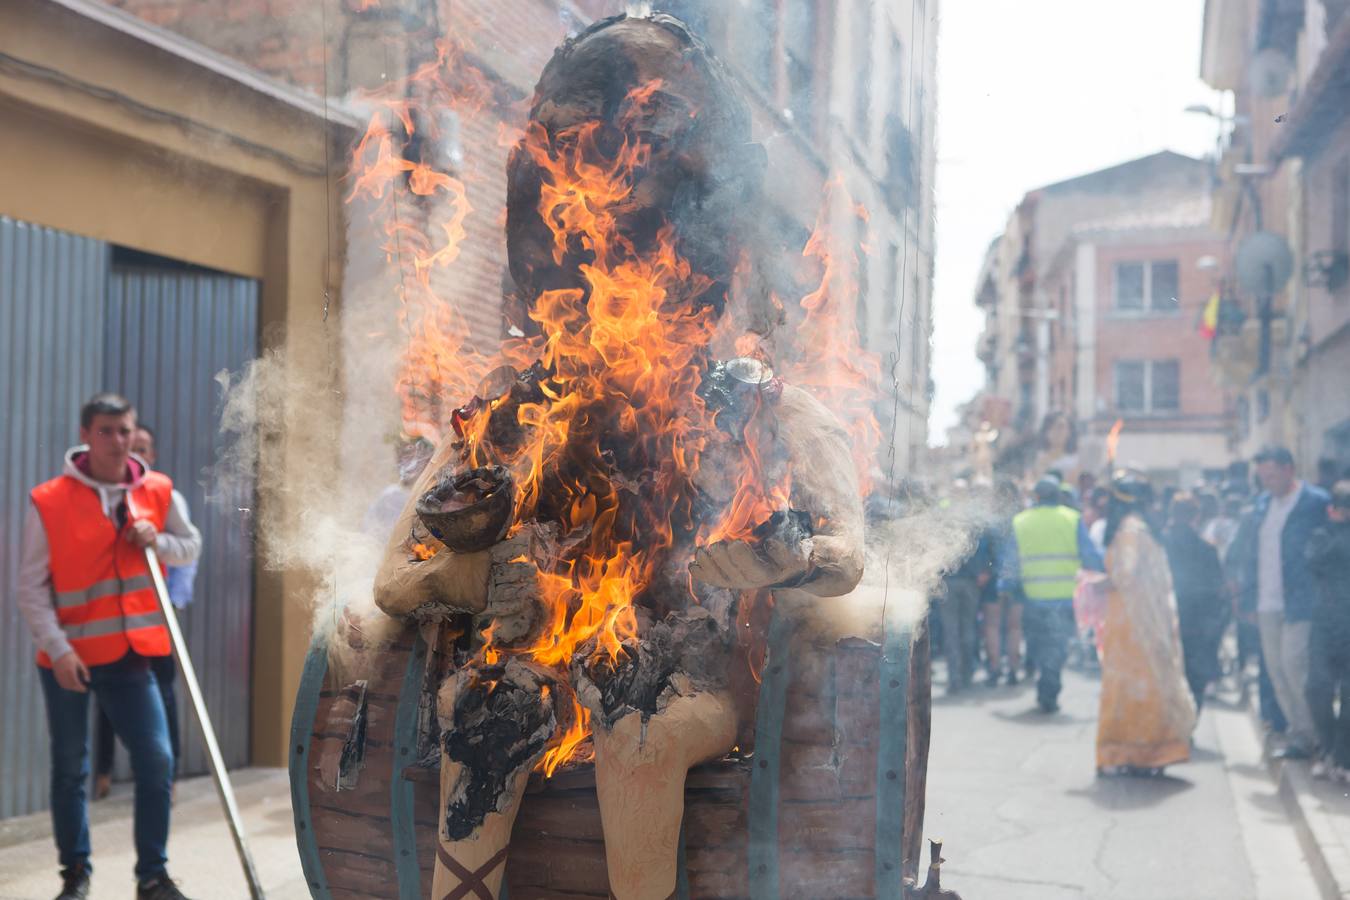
{"x":1113,"y":442}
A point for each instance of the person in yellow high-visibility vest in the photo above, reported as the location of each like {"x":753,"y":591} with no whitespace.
{"x":1042,"y":556}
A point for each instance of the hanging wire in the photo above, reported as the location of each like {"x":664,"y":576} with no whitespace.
{"x":915,"y":94}
{"x":328,"y":241}
{"x":327,"y":168}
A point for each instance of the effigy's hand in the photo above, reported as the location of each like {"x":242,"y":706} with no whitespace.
{"x":743,"y":566}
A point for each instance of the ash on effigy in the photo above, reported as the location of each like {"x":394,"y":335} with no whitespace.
{"x":644,"y":678}
{"x":503,"y":719}
{"x":789,"y":527}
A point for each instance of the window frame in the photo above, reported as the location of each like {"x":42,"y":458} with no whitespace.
{"x":1148,"y":304}
{"x":1148,"y":384}
{"x":1117,"y":371}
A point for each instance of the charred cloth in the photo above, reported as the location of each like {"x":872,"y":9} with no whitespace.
{"x":501,"y":719}
{"x":703,"y":172}
{"x":684,"y":652}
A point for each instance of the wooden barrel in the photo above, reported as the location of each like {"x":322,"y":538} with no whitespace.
{"x":818,"y":810}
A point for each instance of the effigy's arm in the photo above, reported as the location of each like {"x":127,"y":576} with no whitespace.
{"x":828,"y":562}
{"x":407,"y":581}
{"x":824,"y":485}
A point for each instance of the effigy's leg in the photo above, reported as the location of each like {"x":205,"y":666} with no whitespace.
{"x":640,"y":769}
{"x":658,"y":706}
{"x":497,"y":722}
{"x":474,"y":867}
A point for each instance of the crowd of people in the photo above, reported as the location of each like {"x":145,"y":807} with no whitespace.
{"x":1149,"y":581}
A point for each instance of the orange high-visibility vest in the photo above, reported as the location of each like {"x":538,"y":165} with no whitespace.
{"x":101,"y":585}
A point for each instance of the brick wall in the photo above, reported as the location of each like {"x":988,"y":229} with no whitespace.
{"x":347,"y":51}
{"x":1160,"y":336}
{"x":281,"y":38}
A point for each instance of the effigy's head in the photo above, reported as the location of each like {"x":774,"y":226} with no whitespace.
{"x":633,"y":120}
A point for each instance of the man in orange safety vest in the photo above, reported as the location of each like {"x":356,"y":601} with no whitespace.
{"x":85,"y":589}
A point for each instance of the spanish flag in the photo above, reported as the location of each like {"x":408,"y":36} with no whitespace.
{"x":1209,"y":317}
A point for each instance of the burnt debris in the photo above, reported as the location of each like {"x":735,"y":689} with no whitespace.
{"x":515,"y":606}
{"x":790,"y":527}
{"x":503,"y":718}
{"x":470,"y":510}
{"x":686,"y":651}
{"x":734,"y":390}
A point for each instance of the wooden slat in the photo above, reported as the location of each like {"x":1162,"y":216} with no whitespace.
{"x":817,"y":875}
{"x":366,"y":835}
{"x":916,"y":756}
{"x":558,"y":864}
{"x":827,"y":827}
{"x":762,"y":852}
{"x":401,"y":800}
{"x":357,"y":871}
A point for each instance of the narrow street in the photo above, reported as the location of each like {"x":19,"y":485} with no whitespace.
{"x":1014,"y":796}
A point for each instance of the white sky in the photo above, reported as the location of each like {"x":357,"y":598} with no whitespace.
{"x":1031,"y":92}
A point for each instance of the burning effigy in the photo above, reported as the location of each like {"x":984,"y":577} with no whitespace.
{"x":588,"y":673}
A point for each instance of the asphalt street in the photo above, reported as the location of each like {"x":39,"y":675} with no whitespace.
{"x":1014,"y":795}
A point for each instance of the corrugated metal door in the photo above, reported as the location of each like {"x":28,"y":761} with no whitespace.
{"x":74,"y":321}
{"x":52,"y":289}
{"x":170,"y":330}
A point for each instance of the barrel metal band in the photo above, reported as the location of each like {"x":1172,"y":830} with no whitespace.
{"x":302,"y":726}
{"x":763,"y":851}
{"x":893,"y":745}
{"x":682,"y":867}
{"x":401,"y":789}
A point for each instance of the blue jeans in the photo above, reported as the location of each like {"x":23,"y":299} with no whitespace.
{"x":127,"y":692}
{"x":1049,"y":625}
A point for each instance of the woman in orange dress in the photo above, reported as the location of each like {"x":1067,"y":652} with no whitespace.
{"x":1147,"y":712}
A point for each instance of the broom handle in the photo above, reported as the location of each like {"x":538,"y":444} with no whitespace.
{"x":222,"y":777}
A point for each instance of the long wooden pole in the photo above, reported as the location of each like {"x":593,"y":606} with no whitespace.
{"x":222,"y":777}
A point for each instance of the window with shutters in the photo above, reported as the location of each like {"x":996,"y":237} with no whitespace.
{"x":1165,"y":385}
{"x":1162,"y":286}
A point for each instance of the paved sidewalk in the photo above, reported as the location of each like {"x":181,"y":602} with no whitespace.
{"x":201,"y":853}
{"x":1320,"y":811}
{"x":1015,"y":796}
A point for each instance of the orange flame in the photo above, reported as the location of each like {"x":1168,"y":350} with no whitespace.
{"x":422,"y":209}
{"x":624,"y":355}
{"x":1113,"y":442}
{"x":833,"y":363}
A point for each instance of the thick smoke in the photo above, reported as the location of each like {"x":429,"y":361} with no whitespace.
{"x":315,"y":437}
{"x":910,"y":548}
